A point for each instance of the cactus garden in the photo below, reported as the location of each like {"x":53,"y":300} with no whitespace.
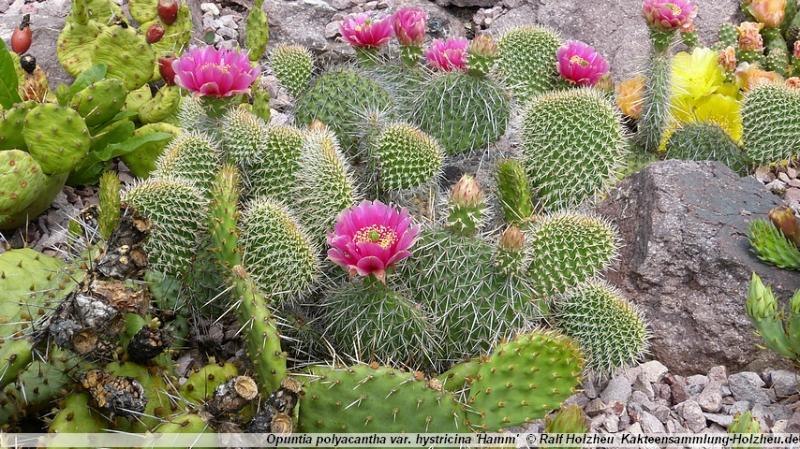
{"x":399,"y":216}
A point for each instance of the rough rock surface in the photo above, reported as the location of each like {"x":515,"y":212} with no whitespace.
{"x":686,"y":262}
{"x":615,"y":28}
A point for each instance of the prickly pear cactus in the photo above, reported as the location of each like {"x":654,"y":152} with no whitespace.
{"x":56,"y":136}
{"x":514,"y":191}
{"x":200,"y":385}
{"x":243,"y":137}
{"x":405,"y":158}
{"x":292,"y":65}
{"x":187,"y":422}
{"x":256,"y":31}
{"x":524,"y":379}
{"x":75,"y":415}
{"x":527,"y":60}
{"x":573,"y":146}
{"x":100,"y":102}
{"x":12,"y":122}
{"x":771,"y":127}
{"x":191,"y":156}
{"x":610,"y":329}
{"x":163,"y":107}
{"x":126,"y":54}
{"x":275,"y":172}
{"x":21,"y":181}
{"x":366,"y":398}
{"x":143,"y":161}
{"x":76,"y":42}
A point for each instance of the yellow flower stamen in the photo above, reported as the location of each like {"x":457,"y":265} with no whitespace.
{"x":379,"y":234}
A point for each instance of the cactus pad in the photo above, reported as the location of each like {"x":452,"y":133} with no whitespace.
{"x":163,"y":107}
{"x":772,"y":246}
{"x":56,"y":137}
{"x":705,"y":142}
{"x":143,"y":161}
{"x":100,"y":102}
{"x":191,"y":156}
{"x":406,"y":158}
{"x":126,"y":54}
{"x":771,"y":125}
{"x":21,"y":180}
{"x":292,"y":65}
{"x":274,"y":174}
{"x":527,"y":60}
{"x":12,"y":122}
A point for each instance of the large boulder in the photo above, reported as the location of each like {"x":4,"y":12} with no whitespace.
{"x":616,"y":28}
{"x":686,"y":262}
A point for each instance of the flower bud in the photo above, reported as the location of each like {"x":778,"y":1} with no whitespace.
{"x":467,"y":192}
{"x":769,"y":12}
{"x":512,"y":240}
{"x":784,"y":219}
{"x":727,"y":59}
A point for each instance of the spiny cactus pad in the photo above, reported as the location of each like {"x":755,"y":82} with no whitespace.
{"x":256,"y":31}
{"x":771,"y":125}
{"x":406,"y":158}
{"x":524,"y":379}
{"x":567,"y":249}
{"x":514,"y":191}
{"x":705,"y":142}
{"x":462,"y":112}
{"x":277,"y":252}
{"x":176,"y":209}
{"x":75,"y":45}
{"x":75,"y":415}
{"x":200,"y":385}
{"x":527,"y":60}
{"x":56,"y":137}
{"x":573,"y":145}
{"x":12,"y":122}
{"x":163,"y":107}
{"x":610,"y":330}
{"x":292,"y":65}
{"x":21,"y":180}
{"x":191,"y":156}
{"x":243,"y":137}
{"x":143,"y":161}
{"x":274,"y":173}
{"x":365,"y":398}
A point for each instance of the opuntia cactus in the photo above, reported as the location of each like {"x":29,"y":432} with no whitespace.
{"x":699,"y":141}
{"x":293,"y":66}
{"x":514,"y":191}
{"x":256,"y":31}
{"x":405,"y":158}
{"x":771,"y":130}
{"x":779,"y":329}
{"x":773,"y":246}
{"x":527,"y":60}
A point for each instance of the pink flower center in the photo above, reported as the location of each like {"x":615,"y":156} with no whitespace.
{"x":363,"y":26}
{"x":379,"y":234}
{"x":575,"y":59}
{"x":676,"y":10}
{"x":224,"y":68}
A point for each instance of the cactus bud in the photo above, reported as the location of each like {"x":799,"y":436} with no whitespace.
{"x":784,"y":219}
{"x":793,"y":82}
{"x":466,"y":207}
{"x":510,"y":254}
{"x":467,"y":192}
{"x":727,"y":59}
{"x":769,"y":12}
{"x":512,"y":239}
{"x":761,"y":302}
{"x":22,"y":36}
{"x":481,"y":54}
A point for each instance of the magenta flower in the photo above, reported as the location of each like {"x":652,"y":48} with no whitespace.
{"x":669,"y":15}
{"x":215,"y":73}
{"x":370,"y":238}
{"x":448,"y":55}
{"x":361,"y":31}
{"x":580,"y":64}
{"x":409,"y":26}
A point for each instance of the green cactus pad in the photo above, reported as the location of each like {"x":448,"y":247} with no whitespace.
{"x":527,"y":60}
{"x":573,"y":146}
{"x":143,"y":10}
{"x":462,"y":112}
{"x":176,"y":36}
{"x":75,"y":415}
{"x":569,"y":419}
{"x":100,"y":102}
{"x":524,"y":379}
{"x":143,"y":161}
{"x":771,"y":125}
{"x":40,"y":383}
{"x":136,"y":98}
{"x":405,"y":158}
{"x":705,"y":142}
{"x":191,"y":156}
{"x":278,"y":253}
{"x":274,"y":173}
{"x":126,"y":54}
{"x":339,"y":98}
{"x":176,"y":209}
{"x":163,"y":107}
{"x":772,"y":247}
{"x":243,"y":137}
{"x":21,"y":180}
{"x":46,"y":194}
{"x":567,"y":249}
{"x":366,"y":399}
{"x":184,"y":423}
{"x":610,"y":330}
{"x":368,"y":321}
{"x":292,"y":65}
{"x":745,"y":422}
{"x":192,"y":115}
{"x":256,"y":31}
{"x":75,"y":45}
{"x":12,"y":122}
{"x":514,"y":191}
{"x":200,"y":385}
{"x":56,"y":137}
{"x":15,"y":355}
{"x":325,"y":186}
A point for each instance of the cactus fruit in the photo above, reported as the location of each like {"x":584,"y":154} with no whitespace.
{"x":339,"y":98}
{"x":76,"y":416}
{"x":256,"y":31}
{"x":699,"y":141}
{"x":771,"y":131}
{"x":527,"y":60}
{"x":746,"y":423}
{"x":126,"y":54}
{"x":200,"y":385}
{"x":367,"y":398}
{"x":369,"y":321}
{"x":573,"y":146}
{"x":143,"y":161}
{"x":405,"y":158}
{"x":56,"y":137}
{"x":176,"y":35}
{"x":273,"y":174}
{"x":324,"y":186}
{"x":608,"y":328}
{"x":567,"y":249}
{"x":524,"y":379}
{"x":292,"y":65}
{"x":109,"y":212}
{"x":772,"y":246}
{"x":163,"y":107}
{"x":277,"y":252}
{"x":569,"y":419}
{"x":100,"y":102}
{"x":191,"y":156}
{"x":514,"y":191}
{"x":176,"y":209}
{"x":461,"y":111}
{"x":467,"y":207}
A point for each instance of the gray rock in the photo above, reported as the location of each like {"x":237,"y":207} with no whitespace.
{"x":686,"y":262}
{"x":652,"y":371}
{"x":595,"y":407}
{"x":697,"y":379}
{"x":674,"y":426}
{"x":611,"y":423}
{"x":718,"y":374}
{"x":650,"y":424}
{"x":784,"y":382}
{"x":692,"y":416}
{"x":662,"y":413}
{"x":710,"y":400}
{"x":588,"y":388}
{"x":467,"y":3}
{"x":747,"y":386}
{"x":605,"y":24}
{"x":645,"y":387}
{"x":618,"y":389}
{"x":739,"y":407}
{"x":793,"y":424}
{"x":779,"y":426}
{"x":719,"y":418}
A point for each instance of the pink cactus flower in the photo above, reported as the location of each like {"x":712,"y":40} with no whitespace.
{"x":580,"y":64}
{"x":370,"y":238}
{"x":669,"y":15}
{"x":409,"y":26}
{"x":362,"y":31}
{"x":449,"y":55}
{"x":210,"y":72}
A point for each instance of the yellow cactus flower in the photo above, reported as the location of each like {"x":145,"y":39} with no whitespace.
{"x":629,"y":94}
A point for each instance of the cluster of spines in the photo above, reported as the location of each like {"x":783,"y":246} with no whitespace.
{"x":293,"y":66}
{"x":527,"y":60}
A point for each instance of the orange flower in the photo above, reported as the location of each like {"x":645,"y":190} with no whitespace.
{"x":768,"y":12}
{"x":629,"y":96}
{"x":750,"y":36}
{"x":750,"y":76}
{"x":727,"y":59}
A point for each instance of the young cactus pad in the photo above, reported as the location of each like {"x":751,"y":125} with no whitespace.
{"x":191,"y":156}
{"x":701,"y":141}
{"x":371,"y":398}
{"x":273,"y":174}
{"x":772,"y":246}
{"x":126,"y":54}
{"x":573,"y":146}
{"x":524,"y":379}
{"x":56,"y":137}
